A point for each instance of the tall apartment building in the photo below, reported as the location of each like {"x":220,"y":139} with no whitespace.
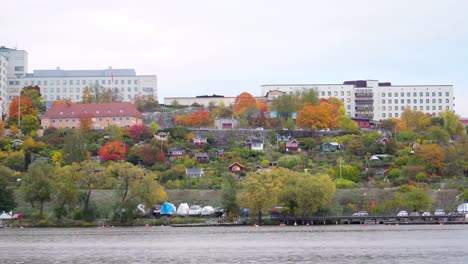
{"x":69,"y":84}
{"x":375,"y":100}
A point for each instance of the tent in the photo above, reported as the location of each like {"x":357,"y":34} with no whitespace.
{"x":183,"y":209}
{"x":167,"y":208}
{"x":463,"y":208}
{"x":5,"y":216}
{"x":207,"y":210}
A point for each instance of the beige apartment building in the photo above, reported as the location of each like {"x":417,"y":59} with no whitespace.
{"x":69,"y":115}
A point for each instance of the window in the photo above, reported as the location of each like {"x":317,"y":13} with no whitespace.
{"x":66,"y":120}
{"x":396,"y":107}
{"x":383,"y":101}
{"x":447,"y":107}
{"x":433,"y":93}
{"x":415,"y":94}
{"x":421,"y":108}
{"x":135,"y":81}
{"x":389,"y":94}
{"x":127,"y":118}
{"x":19,"y":68}
{"x":32,"y":82}
{"x":103,"y":82}
{"x":100,"y":119}
{"x":121,"y":118}
{"x":329,"y":93}
{"x":389,"y":101}
{"x":136,"y":89}
{"x":64,"y":82}
{"x":447,"y":101}
{"x":383,"y":114}
{"x":348,"y":100}
{"x":122,"y":82}
{"x":348,"y":93}
{"x":78,"y":89}
{"x":348,"y":107}
{"x":421,"y":94}
{"x":433,"y":100}
{"x":39,"y":82}
{"x":113,"y":119}
{"x":447,"y":94}
{"x":396,"y":94}
{"x":390,"y":108}
{"x":116,"y":82}
{"x":58,"y":89}
{"x":383,"y":94}
{"x":129,"y":89}
{"x":396,"y":101}
{"x":440,"y":93}
{"x":433,"y":107}
{"x":427,"y":93}
{"x":415,"y":108}
{"x":53,"y":120}
{"x":323,"y":93}
{"x":428,"y":107}
{"x":77,"y":97}
{"x":427,"y":101}
{"x":440,"y":107}
{"x":45,"y":82}
{"x":402,"y":94}
{"x":73,"y":120}
{"x":402,"y":101}
{"x":335,"y":93}
{"x":389,"y":114}
{"x":383,"y":108}
{"x":408,"y":94}
{"x":342,"y":93}
{"x":129,"y":82}
{"x":421,"y":101}
{"x":52,"y":89}
{"x":109,"y":82}
{"x":415,"y":101}
{"x":440,"y":101}
{"x":342,"y":100}
{"x":71,"y":82}
{"x":396,"y":114}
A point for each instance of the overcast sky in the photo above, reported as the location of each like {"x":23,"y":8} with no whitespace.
{"x":227,"y":47}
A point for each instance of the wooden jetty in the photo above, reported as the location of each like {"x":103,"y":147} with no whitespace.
{"x":376,"y":219}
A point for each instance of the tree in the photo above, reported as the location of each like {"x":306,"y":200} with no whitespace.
{"x":29,"y":124}
{"x":243,"y":102}
{"x":313,"y":193}
{"x":452,"y":122}
{"x":90,"y":177}
{"x":348,"y":125}
{"x":417,"y":200}
{"x":7,"y":196}
{"x":135,"y":132}
{"x":145,"y":104}
{"x":65,"y":190}
{"x":114,"y":150}
{"x":24,"y":107}
{"x":314,"y":117}
{"x":260,"y":190}
{"x":36,"y":184}
{"x":437,"y":134}
{"x":87,"y":97}
{"x":86,"y":121}
{"x":414,"y":120}
{"x":154,"y":127}
{"x":289,"y":161}
{"x":34,"y":94}
{"x":309,"y":96}
{"x":229,"y":193}
{"x":74,"y":148}
{"x":286,"y":104}
{"x":432,"y":156}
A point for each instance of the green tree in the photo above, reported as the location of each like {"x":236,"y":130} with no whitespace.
{"x":154,"y":127}
{"x":7,"y":196}
{"x":285,"y":105}
{"x":437,"y":134}
{"x":309,"y":96}
{"x":29,"y":123}
{"x":65,"y":190}
{"x":36,"y":185}
{"x":417,"y":200}
{"x":74,"y":148}
{"x":452,"y":122}
{"x":347,"y":124}
{"x":313,"y":193}
{"x":87,"y":97}
{"x":229,"y":193}
{"x":289,"y":161}
{"x":259,"y":190}
{"x":90,"y":177}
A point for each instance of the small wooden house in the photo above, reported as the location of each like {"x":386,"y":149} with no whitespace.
{"x":236,"y":167}
{"x":330,"y":146}
{"x":199,"y":141}
{"x":292,"y":144}
{"x":194,"y":173}
{"x":202,"y":157}
{"x":176,"y":152}
{"x":254,"y":143}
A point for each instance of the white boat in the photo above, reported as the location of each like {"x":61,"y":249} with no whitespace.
{"x":207,"y":211}
{"x":195,"y":210}
{"x":183,"y":209}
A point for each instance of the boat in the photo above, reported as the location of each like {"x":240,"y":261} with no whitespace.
{"x":195,"y":210}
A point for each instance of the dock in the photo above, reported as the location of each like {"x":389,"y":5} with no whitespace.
{"x":376,"y":219}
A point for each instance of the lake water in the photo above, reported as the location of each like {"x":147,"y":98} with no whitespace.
{"x":245,"y":244}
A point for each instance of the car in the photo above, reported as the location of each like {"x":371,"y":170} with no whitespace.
{"x":414,"y":214}
{"x":361,"y":213}
{"x":439,"y":212}
{"x":455,"y":214}
{"x":426,"y":213}
{"x":402,"y":213}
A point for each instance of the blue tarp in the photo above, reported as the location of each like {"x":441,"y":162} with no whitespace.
{"x":167,"y":208}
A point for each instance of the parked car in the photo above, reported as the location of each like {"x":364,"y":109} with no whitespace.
{"x":455,"y":214}
{"x":361,"y":213}
{"x":414,"y":214}
{"x":426,"y":213}
{"x":439,"y":212}
{"x":402,"y":213}
{"x":195,"y":210}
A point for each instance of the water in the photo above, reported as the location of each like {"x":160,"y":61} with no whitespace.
{"x":271,"y":244}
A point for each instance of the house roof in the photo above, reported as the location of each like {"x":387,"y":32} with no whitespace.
{"x":235,"y":163}
{"x":176,"y":149}
{"x":194,"y":171}
{"x":96,"y":110}
{"x":201,"y":155}
{"x":254,"y":140}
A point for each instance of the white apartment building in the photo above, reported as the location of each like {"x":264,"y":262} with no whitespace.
{"x":374,"y":100}
{"x":69,"y":84}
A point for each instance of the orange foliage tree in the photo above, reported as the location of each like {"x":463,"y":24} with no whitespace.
{"x":25,"y":105}
{"x":322,"y":116}
{"x":86,"y":121}
{"x":114,"y":150}
{"x":199,"y":118}
{"x":432,"y":155}
{"x":243,"y":102}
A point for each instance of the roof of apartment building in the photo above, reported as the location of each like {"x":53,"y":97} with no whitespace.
{"x":84,"y":73}
{"x":96,"y":110}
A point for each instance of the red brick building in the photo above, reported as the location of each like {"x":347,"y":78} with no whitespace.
{"x":69,"y":115}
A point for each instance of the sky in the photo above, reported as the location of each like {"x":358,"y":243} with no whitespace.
{"x":228,"y":47}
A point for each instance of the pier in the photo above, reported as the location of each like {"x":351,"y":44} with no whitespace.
{"x":377,"y":219}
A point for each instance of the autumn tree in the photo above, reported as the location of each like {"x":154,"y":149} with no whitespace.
{"x":86,"y":121}
{"x":136,"y":131}
{"x":432,"y":156}
{"x":243,"y":102}
{"x":452,"y":122}
{"x":114,"y":151}
{"x":314,"y":117}
{"x":34,"y":94}
{"x":74,"y":148}
{"x":414,"y":120}
{"x":24,"y":105}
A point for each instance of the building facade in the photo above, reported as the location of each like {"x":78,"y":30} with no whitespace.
{"x":373,"y":99}
{"x":69,"y":115}
{"x":57,"y":84}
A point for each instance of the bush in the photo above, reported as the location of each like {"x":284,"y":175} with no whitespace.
{"x":344,"y":184}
